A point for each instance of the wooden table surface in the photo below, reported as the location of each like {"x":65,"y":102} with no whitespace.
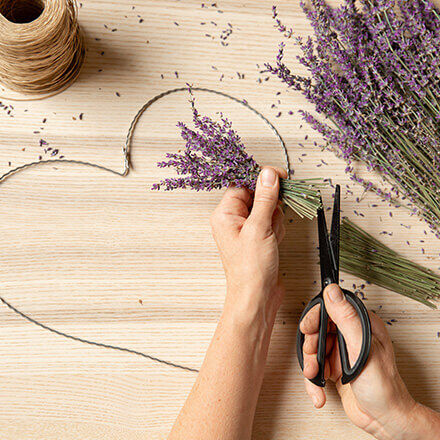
{"x":103,"y":258}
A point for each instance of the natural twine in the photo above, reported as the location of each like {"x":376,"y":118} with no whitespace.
{"x":41,"y":47}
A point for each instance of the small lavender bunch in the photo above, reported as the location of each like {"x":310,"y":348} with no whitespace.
{"x":375,"y":75}
{"x":215,"y":158}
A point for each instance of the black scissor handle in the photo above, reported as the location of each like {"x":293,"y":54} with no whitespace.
{"x":348,"y":373}
{"x":319,"y":378}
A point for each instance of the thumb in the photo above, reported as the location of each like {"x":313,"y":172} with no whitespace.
{"x":266,"y":198}
{"x":344,"y":315}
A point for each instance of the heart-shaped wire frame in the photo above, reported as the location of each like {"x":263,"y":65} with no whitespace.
{"x":126,"y":169}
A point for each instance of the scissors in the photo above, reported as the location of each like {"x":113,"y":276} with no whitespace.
{"x":329,"y":262}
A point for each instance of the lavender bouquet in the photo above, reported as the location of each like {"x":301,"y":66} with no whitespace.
{"x":375,"y":75}
{"x":215,"y":157}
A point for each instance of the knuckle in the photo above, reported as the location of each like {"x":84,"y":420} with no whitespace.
{"x":265,"y":198}
{"x":309,"y":344}
{"x":348,"y":312}
{"x":308,"y":323}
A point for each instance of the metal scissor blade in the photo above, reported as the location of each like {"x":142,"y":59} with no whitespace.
{"x":335,"y":229}
{"x":326,"y":258}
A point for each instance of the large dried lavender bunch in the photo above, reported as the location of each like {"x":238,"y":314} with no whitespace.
{"x":375,"y":74}
{"x":215,"y":157}
{"x":368,"y":258}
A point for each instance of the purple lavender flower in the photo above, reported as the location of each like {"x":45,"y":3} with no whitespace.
{"x":215,"y":157}
{"x":375,"y":75}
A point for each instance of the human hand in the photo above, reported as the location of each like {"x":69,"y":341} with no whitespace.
{"x":377,"y":400}
{"x":247,"y":231}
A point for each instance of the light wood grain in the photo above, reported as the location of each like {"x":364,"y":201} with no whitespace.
{"x":81,"y":247}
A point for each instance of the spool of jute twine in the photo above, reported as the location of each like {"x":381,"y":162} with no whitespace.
{"x":41,"y":47}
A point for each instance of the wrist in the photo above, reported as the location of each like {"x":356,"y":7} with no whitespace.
{"x":423,"y":424}
{"x":251,"y":307}
{"x":413,"y":422}
{"x":249,"y":328}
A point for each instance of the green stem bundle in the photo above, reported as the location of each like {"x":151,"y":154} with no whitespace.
{"x":302,"y":196}
{"x":366,"y":257}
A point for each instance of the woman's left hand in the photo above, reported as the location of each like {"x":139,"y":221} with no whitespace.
{"x":248,"y":231}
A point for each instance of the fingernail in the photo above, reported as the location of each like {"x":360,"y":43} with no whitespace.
{"x":335,"y":293}
{"x":268,"y":177}
{"x":315,"y":400}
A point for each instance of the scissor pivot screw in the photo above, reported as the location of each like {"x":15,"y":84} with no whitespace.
{"x":327,"y":281}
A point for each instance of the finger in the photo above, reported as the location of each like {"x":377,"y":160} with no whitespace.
{"x":232,"y":211}
{"x":343,"y":390}
{"x":265,"y":199}
{"x":335,"y":362}
{"x":236,"y":201}
{"x":280,"y":232}
{"x":349,"y":401}
{"x":379,"y":330}
{"x":311,"y":343}
{"x":281,"y":172}
{"x":344,"y":315}
{"x":310,"y":322}
{"x":278,"y":216}
{"x":278,"y":224}
{"x":317,"y":394}
{"x":327,"y":369}
{"x":311,"y":367}
{"x":331,"y":339}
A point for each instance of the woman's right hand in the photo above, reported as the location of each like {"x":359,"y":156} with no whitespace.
{"x":377,"y":400}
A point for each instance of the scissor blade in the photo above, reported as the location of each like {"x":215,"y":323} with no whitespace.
{"x":335,"y":229}
{"x":326,"y":258}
